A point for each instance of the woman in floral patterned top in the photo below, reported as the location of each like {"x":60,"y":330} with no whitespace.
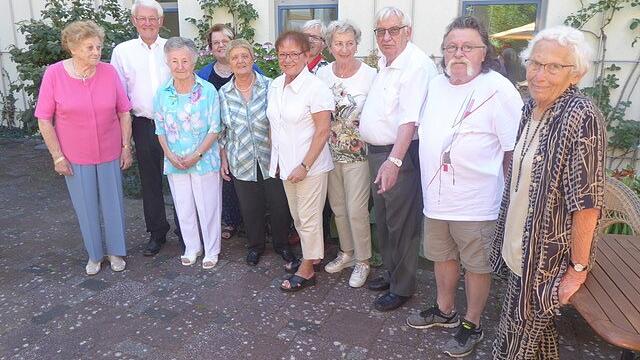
{"x":187,"y":116}
{"x":348,"y":187}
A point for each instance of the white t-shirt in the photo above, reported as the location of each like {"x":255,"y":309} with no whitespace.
{"x":289,"y":111}
{"x":349,"y":94}
{"x":397,"y":95}
{"x":469,"y":187}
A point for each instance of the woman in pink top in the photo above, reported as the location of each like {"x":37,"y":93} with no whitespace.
{"x":83,"y":115}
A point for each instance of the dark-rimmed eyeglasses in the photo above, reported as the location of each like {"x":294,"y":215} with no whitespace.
{"x":393,"y":31}
{"x":466,"y":48}
{"x":293,"y":56}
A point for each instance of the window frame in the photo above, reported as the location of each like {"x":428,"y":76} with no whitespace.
{"x":540,"y":11}
{"x":284,"y":5}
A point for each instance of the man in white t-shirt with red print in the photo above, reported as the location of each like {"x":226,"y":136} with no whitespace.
{"x":467,"y":135}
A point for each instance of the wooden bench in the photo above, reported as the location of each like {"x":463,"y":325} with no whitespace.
{"x":610,"y":298}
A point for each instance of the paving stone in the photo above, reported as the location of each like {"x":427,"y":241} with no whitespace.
{"x":94,"y":284}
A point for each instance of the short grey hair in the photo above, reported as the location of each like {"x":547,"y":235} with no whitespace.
{"x":341,"y":26}
{"x":177,"y":43}
{"x":147,"y":3}
{"x":313,"y":24}
{"x":568,"y":37}
{"x":387,"y":12}
{"x":236,"y":44}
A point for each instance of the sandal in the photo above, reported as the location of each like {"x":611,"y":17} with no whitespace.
{"x":292,"y":266}
{"x":228,"y":231}
{"x":297,"y":283}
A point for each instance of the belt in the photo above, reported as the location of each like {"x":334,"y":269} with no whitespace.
{"x":141,"y":118}
{"x":378,"y":149}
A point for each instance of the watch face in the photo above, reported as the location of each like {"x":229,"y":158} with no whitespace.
{"x":579,"y":267}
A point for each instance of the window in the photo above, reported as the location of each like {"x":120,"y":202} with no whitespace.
{"x":171,"y":21}
{"x":292,"y":14}
{"x":511,"y":24}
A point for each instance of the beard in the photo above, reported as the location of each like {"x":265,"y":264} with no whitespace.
{"x":464,"y":61}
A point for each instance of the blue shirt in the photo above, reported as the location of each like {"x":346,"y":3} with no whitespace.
{"x":185,"y":120}
{"x":246,"y":129}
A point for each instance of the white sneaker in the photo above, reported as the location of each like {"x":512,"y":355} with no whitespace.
{"x":340,"y":262}
{"x":117,"y":263}
{"x":359,"y":275}
{"x":209,"y":263}
{"x":93,"y":267}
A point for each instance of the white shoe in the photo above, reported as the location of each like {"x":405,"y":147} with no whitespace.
{"x":359,"y":275}
{"x":188,"y":260}
{"x":117,"y":263}
{"x":340,"y":262}
{"x":93,"y":267}
{"x":209,"y":263}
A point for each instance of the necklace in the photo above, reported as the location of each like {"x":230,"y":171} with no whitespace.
{"x":82,"y":77}
{"x":525,"y":146}
{"x":346,"y":73}
{"x":224,"y":72}
{"x":235,"y":84}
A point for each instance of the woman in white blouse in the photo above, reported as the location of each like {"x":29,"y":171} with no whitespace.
{"x":299,"y":110}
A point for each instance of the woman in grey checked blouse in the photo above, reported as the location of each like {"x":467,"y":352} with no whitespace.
{"x":246,"y":151}
{"x":550,"y":210}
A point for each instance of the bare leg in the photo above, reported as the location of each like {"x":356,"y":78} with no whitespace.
{"x":447,"y":275}
{"x":477,"y":287}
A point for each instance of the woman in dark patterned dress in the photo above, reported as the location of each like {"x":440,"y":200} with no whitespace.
{"x":545,"y":232}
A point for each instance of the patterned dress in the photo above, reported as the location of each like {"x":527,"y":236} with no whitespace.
{"x":567,"y":176}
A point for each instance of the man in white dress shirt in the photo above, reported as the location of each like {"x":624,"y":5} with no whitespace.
{"x":142,"y":68}
{"x":388,"y":125}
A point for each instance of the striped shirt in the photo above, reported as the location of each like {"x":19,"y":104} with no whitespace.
{"x":246,"y":129}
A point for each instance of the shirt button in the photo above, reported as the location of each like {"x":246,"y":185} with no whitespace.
{"x":539,"y":158}
{"x":530,"y":209}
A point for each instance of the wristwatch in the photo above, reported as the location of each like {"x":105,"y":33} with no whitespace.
{"x":397,"y":162}
{"x":578,"y":267}
{"x":306,"y":168}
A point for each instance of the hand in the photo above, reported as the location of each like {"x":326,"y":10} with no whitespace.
{"x":126,"y":159}
{"x":569,"y":284}
{"x":190,"y":160}
{"x":63,"y":167}
{"x":298,"y":174}
{"x":387,"y":176}
{"x":176,"y":161}
{"x":224,"y":169}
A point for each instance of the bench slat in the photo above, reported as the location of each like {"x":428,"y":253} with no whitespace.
{"x":597,"y":288}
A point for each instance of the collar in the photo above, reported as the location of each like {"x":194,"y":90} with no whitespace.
{"x":316,"y":60}
{"x":168,"y":86}
{"x":157,"y":43}
{"x":260,"y":83}
{"x":297,"y":83}
{"x":400,"y":61}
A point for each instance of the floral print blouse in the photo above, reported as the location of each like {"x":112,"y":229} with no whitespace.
{"x":185,"y":120}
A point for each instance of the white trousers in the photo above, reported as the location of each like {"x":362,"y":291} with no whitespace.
{"x":306,"y":202}
{"x":198,"y":197}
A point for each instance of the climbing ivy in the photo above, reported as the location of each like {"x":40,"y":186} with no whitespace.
{"x":242,"y":11}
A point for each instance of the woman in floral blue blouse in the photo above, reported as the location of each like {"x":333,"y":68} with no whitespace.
{"x":187,"y":116}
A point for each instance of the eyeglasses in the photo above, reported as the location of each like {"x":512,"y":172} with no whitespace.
{"x":142,"y":19}
{"x":341,"y":45}
{"x":393,"y":31}
{"x":466,"y":48}
{"x":550,"y":68}
{"x":293,"y":56}
{"x":315,"y":38}
{"x":219,"y":43}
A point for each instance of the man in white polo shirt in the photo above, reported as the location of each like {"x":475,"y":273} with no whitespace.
{"x":467,"y":135}
{"x":388,"y":125}
{"x":142,"y":68}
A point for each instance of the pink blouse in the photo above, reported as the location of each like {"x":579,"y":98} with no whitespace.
{"x":85,"y":114}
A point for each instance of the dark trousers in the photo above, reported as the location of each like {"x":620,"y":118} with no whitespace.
{"x":255,"y":197}
{"x":150,"y":165}
{"x":398,"y":218}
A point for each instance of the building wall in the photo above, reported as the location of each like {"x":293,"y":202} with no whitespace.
{"x":429,"y":17}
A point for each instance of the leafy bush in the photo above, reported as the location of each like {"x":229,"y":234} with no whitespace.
{"x":267,"y":59}
{"x":42,"y":38}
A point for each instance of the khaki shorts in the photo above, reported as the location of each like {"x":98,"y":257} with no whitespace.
{"x":466,"y":241}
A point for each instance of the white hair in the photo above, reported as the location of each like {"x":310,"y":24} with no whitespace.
{"x":341,"y":26}
{"x":178,"y":43}
{"x":387,"y":12}
{"x":313,"y":24}
{"x":147,"y":3}
{"x":568,"y":37}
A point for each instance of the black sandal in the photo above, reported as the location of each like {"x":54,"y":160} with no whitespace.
{"x":298,"y":283}
{"x":292,"y":266}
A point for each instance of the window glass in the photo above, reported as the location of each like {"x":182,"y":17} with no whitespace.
{"x":293,"y":16}
{"x":171,"y":22}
